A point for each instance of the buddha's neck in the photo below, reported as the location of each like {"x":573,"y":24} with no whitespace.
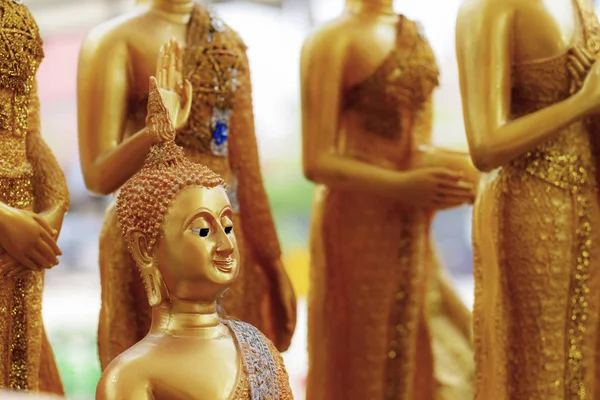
{"x":182,"y":318}
{"x":178,"y":10}
{"x":372,"y":7}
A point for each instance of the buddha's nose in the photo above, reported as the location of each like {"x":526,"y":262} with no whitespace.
{"x":224,"y":244}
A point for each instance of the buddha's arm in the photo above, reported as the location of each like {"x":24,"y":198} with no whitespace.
{"x":107,"y":161}
{"x":321,"y":69}
{"x":483,"y":46}
{"x":49,"y":183}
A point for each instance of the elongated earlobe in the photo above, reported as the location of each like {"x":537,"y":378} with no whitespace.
{"x":153,"y":282}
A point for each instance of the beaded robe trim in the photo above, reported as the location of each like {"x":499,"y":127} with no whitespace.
{"x":257,"y":359}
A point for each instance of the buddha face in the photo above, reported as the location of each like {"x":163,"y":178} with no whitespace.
{"x":197,"y":253}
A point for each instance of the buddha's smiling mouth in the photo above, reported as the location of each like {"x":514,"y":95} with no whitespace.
{"x":224,"y":265}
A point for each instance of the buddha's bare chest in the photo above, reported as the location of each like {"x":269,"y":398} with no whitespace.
{"x":196,"y":371}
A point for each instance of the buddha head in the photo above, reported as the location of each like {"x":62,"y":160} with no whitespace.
{"x":176,"y":219}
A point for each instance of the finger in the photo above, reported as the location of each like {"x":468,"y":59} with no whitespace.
{"x":161,"y":60}
{"x":456,"y":191}
{"x":15,"y":271}
{"x":586,"y":57}
{"x":51,"y":242}
{"x":576,"y":63}
{"x":44,"y":224}
{"x":574,"y":75}
{"x":179,"y":65}
{"x":7,"y":268}
{"x":47,"y":252}
{"x":162,"y":82}
{"x":187,"y":97}
{"x":449,"y":176}
{"x":8,"y":264}
{"x":172,"y":71}
{"x":582,"y":57}
{"x":30,"y":263}
{"x":39,"y":260}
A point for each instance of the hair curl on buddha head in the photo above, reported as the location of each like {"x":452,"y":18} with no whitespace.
{"x":144,"y":200}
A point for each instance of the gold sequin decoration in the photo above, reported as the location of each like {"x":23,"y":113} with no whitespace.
{"x":18,"y":344}
{"x":21,"y":47}
{"x":402,"y":327}
{"x":573,"y":173}
{"x":17,"y":192}
{"x":212,"y":67}
{"x":407,"y":76}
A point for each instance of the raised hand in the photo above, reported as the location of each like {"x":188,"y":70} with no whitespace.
{"x":175,"y":91}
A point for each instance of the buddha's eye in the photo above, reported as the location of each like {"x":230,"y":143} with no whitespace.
{"x":202,"y":232}
{"x":228,"y":230}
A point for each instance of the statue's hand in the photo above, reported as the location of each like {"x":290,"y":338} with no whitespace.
{"x":174,"y":90}
{"x":28,"y":239}
{"x":579,"y":63}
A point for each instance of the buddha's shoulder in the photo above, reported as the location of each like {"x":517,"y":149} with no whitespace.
{"x":130,"y":366}
{"x":116,"y":32}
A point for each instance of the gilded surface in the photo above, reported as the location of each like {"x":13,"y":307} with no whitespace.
{"x":176,"y":218}
{"x":375,"y":304}
{"x":215,"y":63}
{"x":29,"y":179}
{"x":536,"y":312}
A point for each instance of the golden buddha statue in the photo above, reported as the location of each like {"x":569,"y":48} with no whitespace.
{"x":531,"y":88}
{"x":384,"y":323}
{"x":178,"y":224}
{"x":33,"y":202}
{"x":215,"y":127}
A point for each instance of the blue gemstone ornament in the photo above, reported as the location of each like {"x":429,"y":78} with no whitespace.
{"x":220,"y":133}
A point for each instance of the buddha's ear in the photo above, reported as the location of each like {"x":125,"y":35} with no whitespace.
{"x":156,"y":289}
{"x":138,"y":246}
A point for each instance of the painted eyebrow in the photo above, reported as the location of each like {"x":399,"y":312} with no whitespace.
{"x":200,"y":212}
{"x":203,"y":211}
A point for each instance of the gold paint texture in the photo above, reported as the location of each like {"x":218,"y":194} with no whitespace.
{"x":142,"y":205}
{"x":30,"y":179}
{"x":372,"y":305}
{"x":535,"y":227}
{"x":262,"y":295}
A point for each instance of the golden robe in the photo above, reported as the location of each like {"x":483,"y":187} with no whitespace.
{"x":537,"y":250}
{"x":220,"y":134}
{"x":31,"y":179}
{"x":383,"y":322}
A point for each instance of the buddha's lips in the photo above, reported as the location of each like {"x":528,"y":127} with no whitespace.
{"x":224,"y":265}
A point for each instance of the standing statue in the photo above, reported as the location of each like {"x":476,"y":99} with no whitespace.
{"x":531,"y":94}
{"x":33,"y":201}
{"x":384,"y":322}
{"x":215,"y":127}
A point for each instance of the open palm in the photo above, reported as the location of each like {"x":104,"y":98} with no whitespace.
{"x":176,"y":93}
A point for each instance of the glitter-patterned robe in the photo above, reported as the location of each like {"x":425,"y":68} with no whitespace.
{"x":31,"y":179}
{"x":220,"y":134}
{"x":537,"y":249}
{"x":380,"y":325}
